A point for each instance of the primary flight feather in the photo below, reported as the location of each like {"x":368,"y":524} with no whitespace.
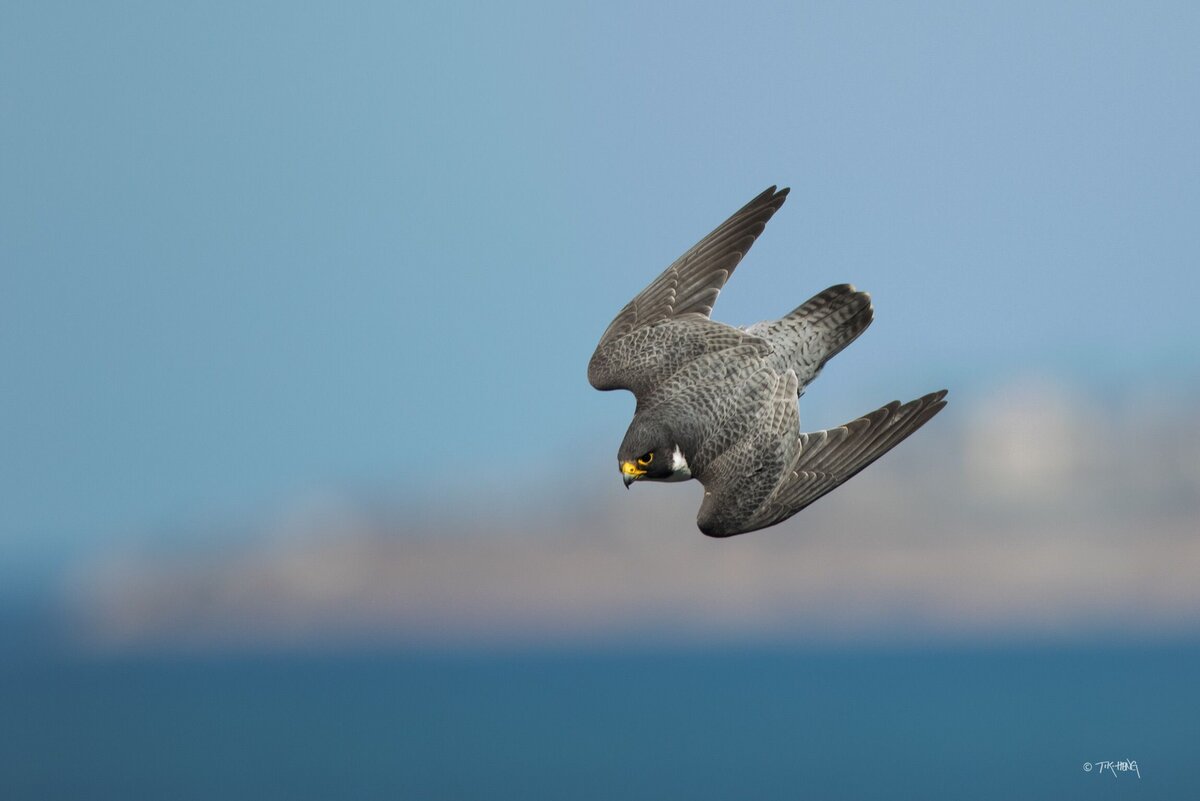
{"x":719,"y":404}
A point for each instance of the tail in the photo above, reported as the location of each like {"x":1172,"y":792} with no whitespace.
{"x":818,"y":329}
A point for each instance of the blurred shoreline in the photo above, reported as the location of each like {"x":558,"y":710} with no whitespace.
{"x":1033,"y":516}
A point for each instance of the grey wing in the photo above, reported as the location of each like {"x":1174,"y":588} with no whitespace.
{"x":827,"y":459}
{"x":747,"y":460}
{"x":685,"y":292}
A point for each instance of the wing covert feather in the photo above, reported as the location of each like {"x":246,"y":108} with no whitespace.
{"x":824,"y":461}
{"x":686,"y":289}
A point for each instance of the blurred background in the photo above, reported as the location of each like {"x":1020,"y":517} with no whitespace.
{"x":304,"y":490}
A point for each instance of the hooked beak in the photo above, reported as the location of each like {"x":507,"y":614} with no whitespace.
{"x":630,"y":473}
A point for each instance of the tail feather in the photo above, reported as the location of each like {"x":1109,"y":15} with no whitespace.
{"x":818,"y":329}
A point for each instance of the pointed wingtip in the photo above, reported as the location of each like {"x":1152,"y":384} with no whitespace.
{"x":774,"y":195}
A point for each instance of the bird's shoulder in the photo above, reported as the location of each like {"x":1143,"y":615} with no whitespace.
{"x":652,"y":359}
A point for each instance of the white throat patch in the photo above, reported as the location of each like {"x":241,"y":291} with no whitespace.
{"x":679,"y":467}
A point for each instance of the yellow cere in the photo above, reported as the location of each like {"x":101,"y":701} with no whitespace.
{"x":629,"y":469}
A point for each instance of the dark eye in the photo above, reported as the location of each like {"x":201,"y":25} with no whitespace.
{"x":646,"y":459}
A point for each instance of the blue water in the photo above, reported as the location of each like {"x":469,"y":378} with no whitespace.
{"x":969,"y":723}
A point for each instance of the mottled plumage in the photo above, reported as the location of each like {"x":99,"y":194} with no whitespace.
{"x":718,"y":403}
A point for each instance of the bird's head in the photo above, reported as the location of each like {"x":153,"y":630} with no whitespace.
{"x":650,"y":453}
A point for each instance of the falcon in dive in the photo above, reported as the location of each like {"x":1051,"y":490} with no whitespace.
{"x":719,"y":404}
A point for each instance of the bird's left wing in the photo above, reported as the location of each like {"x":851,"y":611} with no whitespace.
{"x":741,"y":464}
{"x":830,"y":458}
{"x":824,"y":461}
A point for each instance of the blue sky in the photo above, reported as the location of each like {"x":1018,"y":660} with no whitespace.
{"x":249,"y":254}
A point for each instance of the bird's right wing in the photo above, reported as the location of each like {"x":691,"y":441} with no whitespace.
{"x":687,"y":291}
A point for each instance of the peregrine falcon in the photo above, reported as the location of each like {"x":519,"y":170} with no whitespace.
{"x":718,"y":403}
